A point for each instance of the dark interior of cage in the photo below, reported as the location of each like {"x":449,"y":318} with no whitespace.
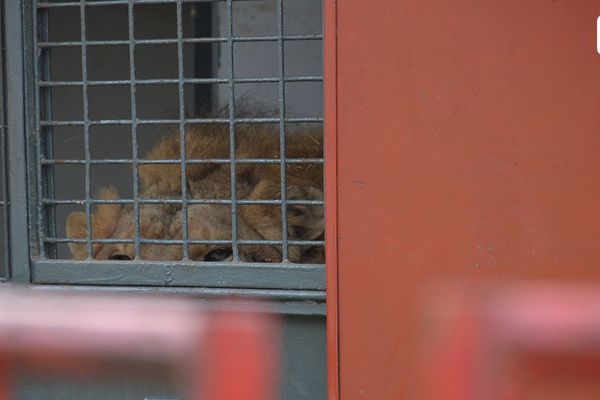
{"x":116,"y":79}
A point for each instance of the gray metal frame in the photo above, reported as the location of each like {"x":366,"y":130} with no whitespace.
{"x":18,"y":113}
{"x":4,"y":200}
{"x":29,"y":116}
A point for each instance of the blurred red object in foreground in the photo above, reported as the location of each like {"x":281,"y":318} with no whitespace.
{"x":511,"y":342}
{"x":229,"y":354}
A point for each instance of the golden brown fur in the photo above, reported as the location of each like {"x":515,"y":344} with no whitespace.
{"x":212,"y":181}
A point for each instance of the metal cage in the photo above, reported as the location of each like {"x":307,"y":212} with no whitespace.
{"x":34,"y":91}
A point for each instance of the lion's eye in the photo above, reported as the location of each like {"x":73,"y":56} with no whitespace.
{"x":217,"y":255}
{"x":120,"y":257}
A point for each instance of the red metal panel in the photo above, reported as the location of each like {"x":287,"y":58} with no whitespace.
{"x":330,"y":84}
{"x":467,"y":145}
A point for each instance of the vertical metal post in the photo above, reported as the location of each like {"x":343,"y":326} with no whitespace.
{"x":4,"y":203}
{"x":42,"y":25}
{"x":282,"y":164}
{"x":39,"y":146}
{"x":182,"y":134}
{"x":16,"y":37}
{"x":234,"y":233}
{"x":44,"y":148}
{"x":134,"y":130}
{"x":86,"y":132}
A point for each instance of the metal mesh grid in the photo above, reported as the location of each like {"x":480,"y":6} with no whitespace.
{"x":49,"y":234}
{"x":4,"y":204}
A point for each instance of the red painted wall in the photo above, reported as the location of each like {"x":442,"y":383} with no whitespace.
{"x":464,"y":136}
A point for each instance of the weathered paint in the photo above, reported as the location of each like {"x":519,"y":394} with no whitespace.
{"x":467,"y":146}
{"x":258,"y":276}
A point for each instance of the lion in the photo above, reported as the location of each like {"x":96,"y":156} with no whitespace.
{"x":211,"y":181}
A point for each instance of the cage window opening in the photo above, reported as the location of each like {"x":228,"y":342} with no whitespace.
{"x":188,"y":89}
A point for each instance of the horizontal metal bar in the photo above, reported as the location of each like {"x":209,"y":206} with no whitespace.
{"x":178,"y":201}
{"x":187,"y":161}
{"x":275,"y":80}
{"x":186,"y":121}
{"x":273,"y":38}
{"x":142,"y":42}
{"x":174,"y":81}
{"x":200,"y":292}
{"x":131,"y":241}
{"x":179,"y":242}
{"x":180,"y":273}
{"x":104,"y":3}
{"x":277,"y":301}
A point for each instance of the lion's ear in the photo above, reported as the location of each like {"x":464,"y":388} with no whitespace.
{"x":76,"y":230}
{"x":305,"y":221}
{"x":104,"y":221}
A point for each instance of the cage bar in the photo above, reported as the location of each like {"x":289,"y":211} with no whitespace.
{"x":134,"y":130}
{"x":233,"y":176}
{"x":126,"y":82}
{"x":176,"y":121}
{"x":282,"y":166}
{"x":43,"y":104}
{"x":86,"y":132}
{"x":178,"y":201}
{"x":4,"y":201}
{"x":180,"y":242}
{"x":189,"y":161}
{"x":234,"y":39}
{"x":117,"y":2}
{"x":40,"y":139}
{"x":182,"y":133}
